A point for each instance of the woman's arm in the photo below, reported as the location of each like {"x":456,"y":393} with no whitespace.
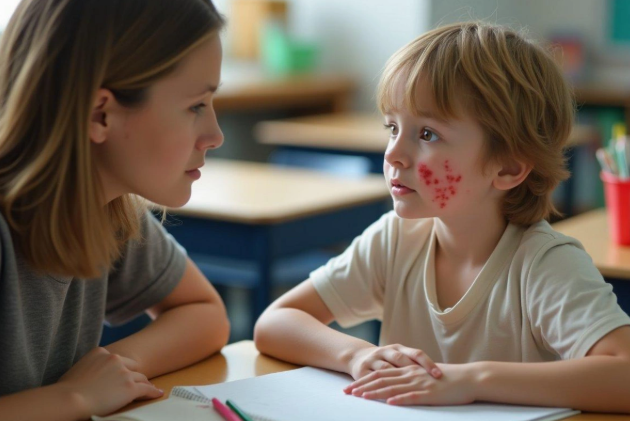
{"x":97,"y":384}
{"x":190,"y":324}
{"x":67,"y":405}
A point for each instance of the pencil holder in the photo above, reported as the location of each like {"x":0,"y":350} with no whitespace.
{"x":617,"y":194}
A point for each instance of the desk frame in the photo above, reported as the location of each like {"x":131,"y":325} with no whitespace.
{"x":265,"y":243}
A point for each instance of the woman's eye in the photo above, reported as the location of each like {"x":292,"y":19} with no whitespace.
{"x":392,"y":128}
{"x":428,"y":135}
{"x":198,"y":109}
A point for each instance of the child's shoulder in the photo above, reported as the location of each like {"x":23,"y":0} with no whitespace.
{"x":546,"y":252}
{"x":541,"y":236}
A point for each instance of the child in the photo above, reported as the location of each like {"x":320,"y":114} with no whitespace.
{"x":480,"y":299}
{"x":101,"y":102}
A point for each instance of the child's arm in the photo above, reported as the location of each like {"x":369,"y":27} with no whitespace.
{"x":190,"y":324}
{"x":599,"y":382}
{"x":98,"y":384}
{"x":294,"y":328}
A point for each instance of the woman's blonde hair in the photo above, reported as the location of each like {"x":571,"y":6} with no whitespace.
{"x":512,"y":88}
{"x":54,"y":56}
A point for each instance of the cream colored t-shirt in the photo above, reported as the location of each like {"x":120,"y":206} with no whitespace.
{"x":538,"y":297}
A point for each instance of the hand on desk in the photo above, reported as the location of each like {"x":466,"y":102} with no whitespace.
{"x":367,"y":360}
{"x":413,"y":385}
{"x":105,"y":382}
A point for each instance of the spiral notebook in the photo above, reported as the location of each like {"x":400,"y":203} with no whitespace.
{"x":184,"y":403}
{"x":311,"y":394}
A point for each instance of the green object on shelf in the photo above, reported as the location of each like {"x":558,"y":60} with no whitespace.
{"x":282,"y":55}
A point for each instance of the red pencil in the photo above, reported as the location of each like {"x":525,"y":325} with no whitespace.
{"x":224,"y":411}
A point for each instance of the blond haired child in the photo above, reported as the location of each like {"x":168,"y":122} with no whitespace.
{"x":480,"y":299}
{"x":102,"y":103}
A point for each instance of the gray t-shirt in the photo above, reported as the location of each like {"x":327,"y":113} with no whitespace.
{"x":47,"y":323}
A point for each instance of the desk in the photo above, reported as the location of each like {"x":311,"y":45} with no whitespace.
{"x":241,"y":361}
{"x":364,"y":135}
{"x":591,"y":229}
{"x":605,"y":94}
{"x":260,"y":213}
{"x":244,"y":87}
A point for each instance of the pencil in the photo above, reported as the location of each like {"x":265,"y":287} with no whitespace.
{"x":238,"y":411}
{"x":226,"y":413}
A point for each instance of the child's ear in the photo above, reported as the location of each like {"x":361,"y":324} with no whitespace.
{"x":99,"y":127}
{"x":511,"y":173}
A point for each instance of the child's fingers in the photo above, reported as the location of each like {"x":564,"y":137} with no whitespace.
{"x":380,"y":384}
{"x":370,"y":377}
{"x":411,"y":398}
{"x":398,"y":358}
{"x":421,"y":358}
{"x":388,"y":392}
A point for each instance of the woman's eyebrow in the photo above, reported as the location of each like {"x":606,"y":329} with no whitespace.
{"x":208,"y":88}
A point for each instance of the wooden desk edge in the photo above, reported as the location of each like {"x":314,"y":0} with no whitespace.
{"x":287,"y":217}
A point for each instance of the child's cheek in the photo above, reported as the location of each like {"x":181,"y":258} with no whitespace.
{"x":442,"y":189}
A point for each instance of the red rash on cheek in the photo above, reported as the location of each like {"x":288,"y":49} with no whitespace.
{"x":441,"y":194}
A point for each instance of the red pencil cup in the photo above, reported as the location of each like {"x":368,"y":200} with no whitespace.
{"x":617,"y":193}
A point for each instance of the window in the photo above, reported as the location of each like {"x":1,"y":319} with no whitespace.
{"x":7,"y":7}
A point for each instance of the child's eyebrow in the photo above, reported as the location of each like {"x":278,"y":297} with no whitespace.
{"x":430,"y":115}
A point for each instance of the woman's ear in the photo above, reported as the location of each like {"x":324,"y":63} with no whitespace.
{"x":99,"y":127}
{"x":511,"y":173}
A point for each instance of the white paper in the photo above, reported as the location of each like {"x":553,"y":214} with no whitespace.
{"x":311,"y":394}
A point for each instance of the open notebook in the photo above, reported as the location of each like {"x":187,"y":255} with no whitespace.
{"x":183,"y":404}
{"x":311,"y":394}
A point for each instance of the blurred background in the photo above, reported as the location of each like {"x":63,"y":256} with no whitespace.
{"x":298,"y":175}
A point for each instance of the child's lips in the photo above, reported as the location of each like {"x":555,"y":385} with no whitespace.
{"x":399,"y":189}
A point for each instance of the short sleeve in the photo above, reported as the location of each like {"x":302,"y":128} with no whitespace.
{"x":570,"y":306}
{"x":352,"y":284}
{"x":150,"y":268}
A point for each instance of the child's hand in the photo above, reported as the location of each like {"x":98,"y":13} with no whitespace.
{"x":412,"y":385}
{"x":367,"y":360}
{"x":107,"y":382}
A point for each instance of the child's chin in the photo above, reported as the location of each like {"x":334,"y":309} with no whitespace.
{"x":406,"y":212}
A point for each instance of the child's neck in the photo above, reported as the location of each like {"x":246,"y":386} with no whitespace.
{"x":469,"y":240}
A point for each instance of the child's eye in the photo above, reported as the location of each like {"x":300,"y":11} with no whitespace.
{"x":198,"y":109}
{"x":428,"y":135}
{"x":392,"y":128}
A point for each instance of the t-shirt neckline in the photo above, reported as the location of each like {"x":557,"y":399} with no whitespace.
{"x":486,"y":278}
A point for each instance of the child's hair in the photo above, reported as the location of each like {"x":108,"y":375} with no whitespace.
{"x":513,"y":89}
{"x":54,"y":56}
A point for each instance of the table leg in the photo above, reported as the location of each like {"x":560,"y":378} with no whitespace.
{"x":261,"y":294}
{"x":621,"y":288}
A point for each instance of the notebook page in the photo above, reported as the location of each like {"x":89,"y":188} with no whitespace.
{"x":311,"y":394}
{"x":170,"y":409}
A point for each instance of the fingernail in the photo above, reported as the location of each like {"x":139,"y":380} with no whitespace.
{"x":161,"y":391}
{"x":436,"y":372}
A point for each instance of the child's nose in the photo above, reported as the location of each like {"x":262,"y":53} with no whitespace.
{"x":396,"y":156}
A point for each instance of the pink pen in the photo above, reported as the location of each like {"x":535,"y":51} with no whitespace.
{"x":224,"y":411}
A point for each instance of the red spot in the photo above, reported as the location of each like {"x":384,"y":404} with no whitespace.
{"x":436,"y":181}
{"x":458,"y":179}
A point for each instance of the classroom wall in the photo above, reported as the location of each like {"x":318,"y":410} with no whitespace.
{"x":355,"y":36}
{"x":540,"y":18}
{"x":358,"y":36}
